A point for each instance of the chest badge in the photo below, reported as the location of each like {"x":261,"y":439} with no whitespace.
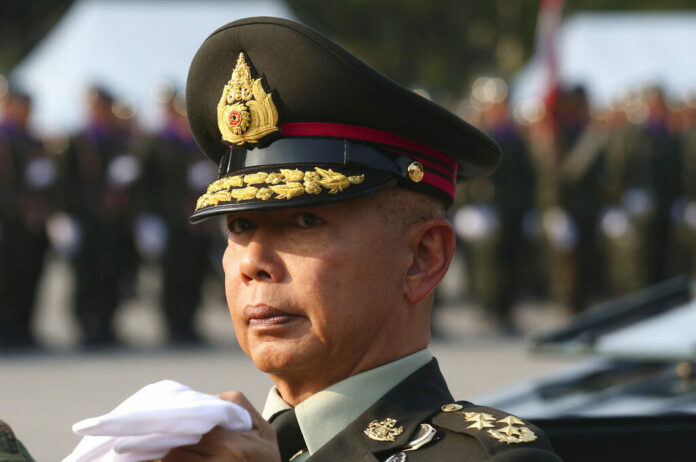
{"x":245,"y":113}
{"x":384,"y":430}
{"x":426,"y":433}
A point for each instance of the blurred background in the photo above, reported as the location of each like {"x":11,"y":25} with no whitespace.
{"x":593,"y":104}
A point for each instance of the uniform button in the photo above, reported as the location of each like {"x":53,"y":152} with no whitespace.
{"x":451,"y":407}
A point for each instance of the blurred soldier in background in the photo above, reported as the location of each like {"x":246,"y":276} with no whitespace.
{"x":580,"y":144}
{"x":568,"y":166}
{"x":100,"y":173}
{"x":27,"y":185}
{"x":175,"y":175}
{"x":665,"y":168}
{"x":688,"y":181}
{"x":491,"y":224}
{"x":513,"y":184}
{"x":628,"y":200}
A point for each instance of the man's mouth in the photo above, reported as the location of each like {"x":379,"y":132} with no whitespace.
{"x":266,"y":316}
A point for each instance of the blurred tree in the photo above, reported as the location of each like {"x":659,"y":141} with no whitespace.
{"x":440,"y":45}
{"x":443,"y":44}
{"x":22,"y":24}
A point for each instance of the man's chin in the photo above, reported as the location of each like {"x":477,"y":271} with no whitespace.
{"x":278,"y":357}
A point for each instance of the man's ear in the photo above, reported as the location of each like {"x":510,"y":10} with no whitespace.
{"x":432,"y":245}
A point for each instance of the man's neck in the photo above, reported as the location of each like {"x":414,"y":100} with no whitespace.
{"x":295,"y":388}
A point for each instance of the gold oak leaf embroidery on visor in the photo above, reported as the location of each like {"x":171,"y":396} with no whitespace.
{"x":285,"y":184}
{"x":245,"y":113}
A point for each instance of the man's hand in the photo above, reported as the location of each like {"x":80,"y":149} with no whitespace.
{"x":219,"y":444}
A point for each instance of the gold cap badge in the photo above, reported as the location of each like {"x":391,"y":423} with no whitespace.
{"x":246,"y":113}
{"x":416,"y":172}
{"x":384,"y":430}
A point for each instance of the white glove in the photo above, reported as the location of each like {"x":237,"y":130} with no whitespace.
{"x":154,"y":420}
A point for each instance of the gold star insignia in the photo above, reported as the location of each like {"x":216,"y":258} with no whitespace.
{"x":514,"y":431}
{"x":481,"y":420}
{"x":512,"y":420}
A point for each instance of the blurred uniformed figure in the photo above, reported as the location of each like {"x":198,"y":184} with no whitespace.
{"x":628,"y":200}
{"x":100,"y":173}
{"x":568,"y":167}
{"x":491,"y":223}
{"x":27,"y":185}
{"x":665,"y":169}
{"x":687,"y":230}
{"x":174,"y":176}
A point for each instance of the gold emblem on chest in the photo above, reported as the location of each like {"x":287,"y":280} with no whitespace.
{"x":245,"y":113}
{"x":384,"y":430}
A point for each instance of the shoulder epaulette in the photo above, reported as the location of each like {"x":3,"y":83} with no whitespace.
{"x":496,"y":431}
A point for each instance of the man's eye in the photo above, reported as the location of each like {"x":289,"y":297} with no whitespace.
{"x":307,"y":220}
{"x":239,"y":225}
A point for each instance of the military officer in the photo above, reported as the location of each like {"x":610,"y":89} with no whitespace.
{"x":28,"y":177}
{"x":335,"y":181}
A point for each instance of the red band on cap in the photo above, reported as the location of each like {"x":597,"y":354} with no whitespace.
{"x":365,"y":134}
{"x":440,"y":183}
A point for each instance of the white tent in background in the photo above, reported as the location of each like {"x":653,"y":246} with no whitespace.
{"x":126,"y":46}
{"x":611,"y":53}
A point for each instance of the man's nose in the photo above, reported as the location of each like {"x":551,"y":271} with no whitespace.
{"x":260,"y":262}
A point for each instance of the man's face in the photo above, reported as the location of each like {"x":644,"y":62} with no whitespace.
{"x":317,"y":288}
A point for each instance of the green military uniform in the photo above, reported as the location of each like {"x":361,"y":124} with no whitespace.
{"x":346,"y":421}
{"x":11,"y":449}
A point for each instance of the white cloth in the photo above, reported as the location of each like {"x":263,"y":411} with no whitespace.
{"x":155,"y":419}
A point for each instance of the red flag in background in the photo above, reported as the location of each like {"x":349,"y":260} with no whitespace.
{"x":548,"y":27}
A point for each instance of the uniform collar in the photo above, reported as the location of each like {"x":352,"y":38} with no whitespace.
{"x":411,"y":402}
{"x":325,"y":414}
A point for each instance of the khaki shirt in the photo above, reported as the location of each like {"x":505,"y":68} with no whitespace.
{"x":324,"y":414}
